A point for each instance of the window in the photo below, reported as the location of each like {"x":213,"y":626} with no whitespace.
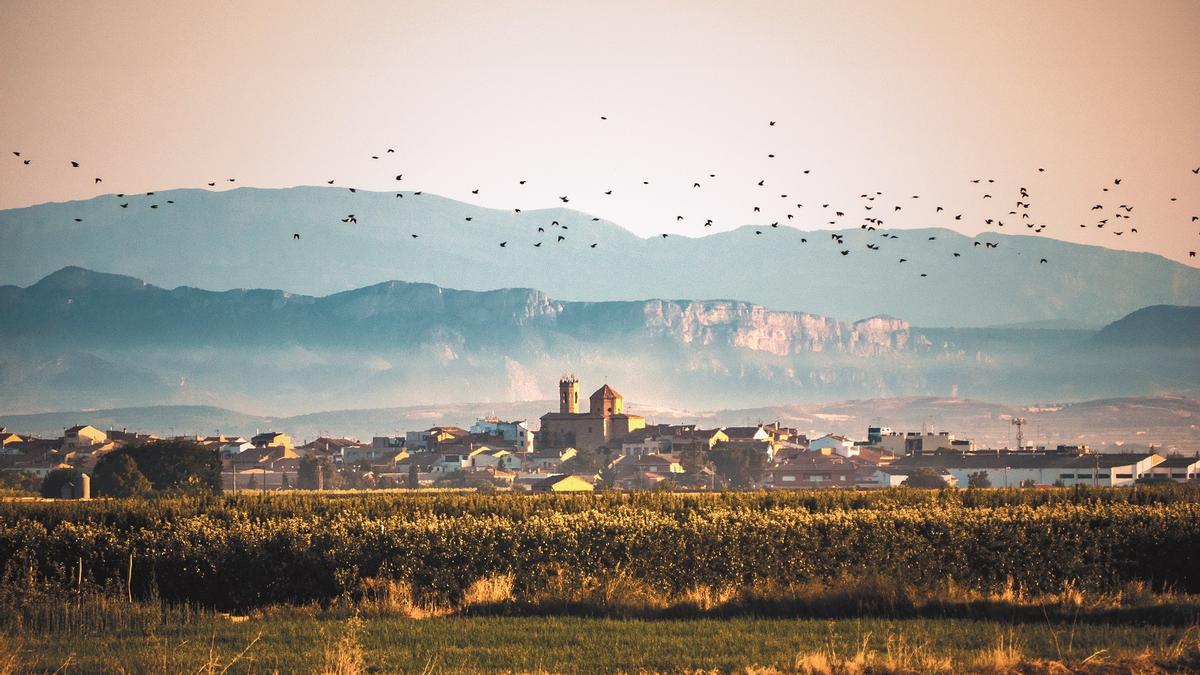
{"x":788,"y":478}
{"x":1124,"y":475}
{"x":1066,"y":475}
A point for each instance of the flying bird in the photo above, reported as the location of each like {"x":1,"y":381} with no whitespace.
{"x":1043,"y":260}
{"x":296,"y":235}
{"x":503,"y":244}
{"x":75,"y":164}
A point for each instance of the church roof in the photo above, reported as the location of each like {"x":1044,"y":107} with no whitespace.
{"x":606,"y":392}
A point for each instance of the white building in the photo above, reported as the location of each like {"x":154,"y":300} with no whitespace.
{"x":838,"y":445}
{"x":1177,"y":468}
{"x":1012,"y":469}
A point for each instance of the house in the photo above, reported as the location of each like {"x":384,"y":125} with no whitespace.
{"x":813,"y":470}
{"x":494,"y":458}
{"x":449,"y":462}
{"x":435,"y":437}
{"x":127,"y":437}
{"x":330,"y":446}
{"x":82,"y":437}
{"x":833,"y":444}
{"x":516,"y":432}
{"x":563,"y":483}
{"x":657,"y":464}
{"x":605,"y":423}
{"x":1177,"y":468}
{"x":547,"y":460}
{"x":272,"y":439}
{"x":649,"y":440}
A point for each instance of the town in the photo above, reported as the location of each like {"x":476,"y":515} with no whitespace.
{"x":602,"y":448}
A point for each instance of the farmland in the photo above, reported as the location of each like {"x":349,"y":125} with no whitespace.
{"x":951,"y":572}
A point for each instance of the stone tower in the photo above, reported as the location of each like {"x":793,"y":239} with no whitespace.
{"x":568,"y":395}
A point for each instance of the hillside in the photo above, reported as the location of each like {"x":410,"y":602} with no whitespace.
{"x":244,"y":239}
{"x":88,"y":340}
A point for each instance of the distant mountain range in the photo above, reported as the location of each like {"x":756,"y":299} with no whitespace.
{"x":83,"y":339}
{"x":244,"y":239}
{"x":1171,"y":423}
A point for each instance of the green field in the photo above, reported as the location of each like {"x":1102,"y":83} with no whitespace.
{"x":569,"y":644}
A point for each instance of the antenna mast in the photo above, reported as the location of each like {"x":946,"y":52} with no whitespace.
{"x":1019,"y":422}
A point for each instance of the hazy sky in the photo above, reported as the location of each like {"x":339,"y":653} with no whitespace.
{"x":902,"y":98}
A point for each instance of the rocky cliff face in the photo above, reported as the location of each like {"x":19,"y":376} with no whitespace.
{"x":753,"y":327}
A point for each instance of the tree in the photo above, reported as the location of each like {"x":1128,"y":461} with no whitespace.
{"x":179,"y":466}
{"x":20,"y":481}
{"x":979,"y":479}
{"x":740,"y":467}
{"x":117,"y":475}
{"x":587,"y":462}
{"x":413,"y":481}
{"x":307,"y":476}
{"x":924,"y":478}
{"x":55,"y":480}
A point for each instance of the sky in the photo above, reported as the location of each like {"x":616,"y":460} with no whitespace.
{"x":902,"y":98}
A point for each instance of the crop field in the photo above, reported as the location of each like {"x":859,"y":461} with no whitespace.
{"x":1072,"y":576}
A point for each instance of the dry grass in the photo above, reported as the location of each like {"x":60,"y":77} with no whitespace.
{"x":495,"y":589}
{"x":1003,"y":657}
{"x":345,"y":656}
{"x":10,"y":654}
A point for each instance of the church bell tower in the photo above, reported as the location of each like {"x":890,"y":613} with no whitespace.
{"x":568,"y":395}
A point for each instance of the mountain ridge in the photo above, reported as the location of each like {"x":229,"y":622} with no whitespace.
{"x":243,"y":239}
{"x":126,"y":342}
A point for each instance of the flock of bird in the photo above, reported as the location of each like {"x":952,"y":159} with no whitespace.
{"x":1118,"y":219}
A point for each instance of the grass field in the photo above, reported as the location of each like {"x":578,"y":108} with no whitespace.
{"x":569,"y":644}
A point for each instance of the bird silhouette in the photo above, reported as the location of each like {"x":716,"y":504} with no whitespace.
{"x":845,"y":252}
{"x":560,"y":237}
{"x":592,"y":246}
{"x":957,"y":255}
{"x":414,"y":236}
{"x":1042,"y":260}
{"x":475,"y":191}
{"x":75,"y":164}
{"x":537,"y":244}
{"x":99,"y":181}
{"x":211,"y":184}
{"x":503,"y":244}
{"x":772,"y":123}
{"x":296,"y":235}
{"x":125,"y":205}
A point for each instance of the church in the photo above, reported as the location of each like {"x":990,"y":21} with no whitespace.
{"x":604,"y":423}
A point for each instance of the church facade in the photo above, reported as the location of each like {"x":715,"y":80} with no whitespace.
{"x":605,"y":423}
